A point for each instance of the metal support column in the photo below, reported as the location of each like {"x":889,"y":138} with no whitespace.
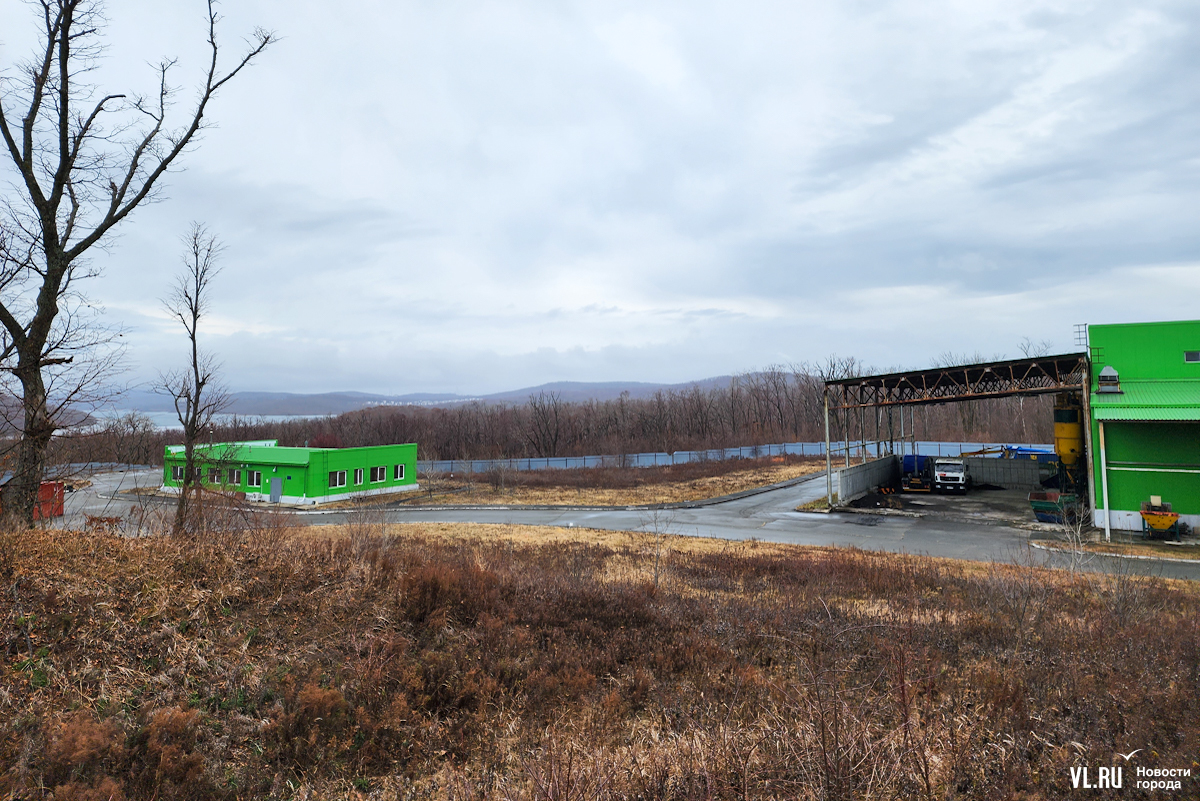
{"x":1104,"y":487}
{"x":1088,"y":458}
{"x":862,"y":435}
{"x":878,"y":444}
{"x":846,"y":434}
{"x":828,"y":458}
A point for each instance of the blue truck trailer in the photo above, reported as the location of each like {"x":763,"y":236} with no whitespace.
{"x":916,"y":473}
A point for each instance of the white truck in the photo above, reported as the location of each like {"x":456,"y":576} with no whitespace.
{"x":951,"y":474}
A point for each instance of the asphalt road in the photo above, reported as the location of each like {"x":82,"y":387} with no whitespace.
{"x":768,"y":516}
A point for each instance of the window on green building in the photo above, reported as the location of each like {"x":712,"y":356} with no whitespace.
{"x":337,"y":478}
{"x":358,"y":476}
{"x":1191,"y":356}
{"x":378,"y":474}
{"x":214,"y":475}
{"x":235,"y":478}
{"x":398,"y":473}
{"x":177,"y":473}
{"x":254,"y":478}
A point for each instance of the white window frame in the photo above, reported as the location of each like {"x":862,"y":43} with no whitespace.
{"x":380,"y":471}
{"x":235,"y":477}
{"x":337,"y":478}
{"x":358,"y":476}
{"x":213,"y":475}
{"x":254,"y":478}
{"x":1191,"y":357}
{"x":177,"y":472}
{"x":398,"y":473}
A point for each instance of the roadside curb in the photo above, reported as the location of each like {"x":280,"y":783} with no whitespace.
{"x":879,"y":512}
{"x":1139,"y":557}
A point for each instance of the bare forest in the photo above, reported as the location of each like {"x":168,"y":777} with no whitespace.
{"x":774,"y":405}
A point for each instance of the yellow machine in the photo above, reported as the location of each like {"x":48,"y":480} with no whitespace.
{"x":1068,"y":428}
{"x":1158,"y":521}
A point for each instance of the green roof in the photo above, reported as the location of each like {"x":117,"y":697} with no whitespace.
{"x":251,"y":452}
{"x":275,"y":455}
{"x":1175,"y":400}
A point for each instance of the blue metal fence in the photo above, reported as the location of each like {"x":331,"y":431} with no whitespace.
{"x":836,"y":449}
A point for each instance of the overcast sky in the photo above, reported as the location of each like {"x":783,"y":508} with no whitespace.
{"x":472,"y":196}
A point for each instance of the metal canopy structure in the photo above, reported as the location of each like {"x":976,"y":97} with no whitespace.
{"x":1031,"y":376}
{"x":1068,"y":372}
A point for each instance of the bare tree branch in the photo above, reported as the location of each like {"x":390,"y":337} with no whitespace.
{"x":196,"y":392}
{"x":81,"y":174}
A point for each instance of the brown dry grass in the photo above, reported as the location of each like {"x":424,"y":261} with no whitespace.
{"x":465,"y":662}
{"x":615,"y":487}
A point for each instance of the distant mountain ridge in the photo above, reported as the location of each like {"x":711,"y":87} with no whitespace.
{"x":321,"y":403}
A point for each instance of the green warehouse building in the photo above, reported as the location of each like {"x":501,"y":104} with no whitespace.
{"x":266,"y":472}
{"x":1145,"y":420}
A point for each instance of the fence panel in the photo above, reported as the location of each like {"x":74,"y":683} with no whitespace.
{"x":837,"y":450}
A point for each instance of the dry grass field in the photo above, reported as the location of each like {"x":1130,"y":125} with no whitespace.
{"x":614,"y":486}
{"x":508,"y":662}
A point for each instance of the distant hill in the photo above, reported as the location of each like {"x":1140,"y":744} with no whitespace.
{"x":291,"y":403}
{"x":602,"y":390}
{"x":579,"y":391}
{"x":327,"y":402}
{"x":252,"y":403}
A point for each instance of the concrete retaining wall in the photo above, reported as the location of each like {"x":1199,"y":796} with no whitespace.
{"x":855,"y":482}
{"x":1132,"y":521}
{"x":1019,"y":474}
{"x":1009,"y":473}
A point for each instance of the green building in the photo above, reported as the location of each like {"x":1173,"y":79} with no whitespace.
{"x":266,"y":472}
{"x":1145,"y":420}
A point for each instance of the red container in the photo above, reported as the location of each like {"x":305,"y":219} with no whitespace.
{"x":50,"y":500}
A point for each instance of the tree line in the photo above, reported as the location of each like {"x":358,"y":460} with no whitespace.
{"x":778,"y":404}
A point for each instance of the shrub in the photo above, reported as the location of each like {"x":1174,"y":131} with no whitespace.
{"x":83,"y":753}
{"x":166,"y":763}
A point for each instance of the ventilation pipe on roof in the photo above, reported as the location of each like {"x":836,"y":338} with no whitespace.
{"x":1108,"y":382}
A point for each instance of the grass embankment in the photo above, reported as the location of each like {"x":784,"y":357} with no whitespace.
{"x":502,"y":662}
{"x":614,"y":486}
{"x":1124,"y":545}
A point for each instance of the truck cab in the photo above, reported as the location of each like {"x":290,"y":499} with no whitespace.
{"x":951,"y":474}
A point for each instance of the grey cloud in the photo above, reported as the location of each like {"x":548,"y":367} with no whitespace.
{"x":483,"y":197}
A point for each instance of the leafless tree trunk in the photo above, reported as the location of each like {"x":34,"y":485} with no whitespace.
{"x":196,"y":393}
{"x":545,"y":423}
{"x":82,"y":166}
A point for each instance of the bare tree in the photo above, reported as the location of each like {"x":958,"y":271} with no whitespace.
{"x":84,"y":161}
{"x":82,"y":357}
{"x":1077,"y":532}
{"x":196,"y":392}
{"x":1032,"y":350}
{"x":659,"y":524}
{"x":545,"y":429}
{"x":132,"y":438}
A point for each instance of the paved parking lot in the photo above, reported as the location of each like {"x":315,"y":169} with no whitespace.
{"x":107,"y":496}
{"x":768,"y":516}
{"x":995,"y":506}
